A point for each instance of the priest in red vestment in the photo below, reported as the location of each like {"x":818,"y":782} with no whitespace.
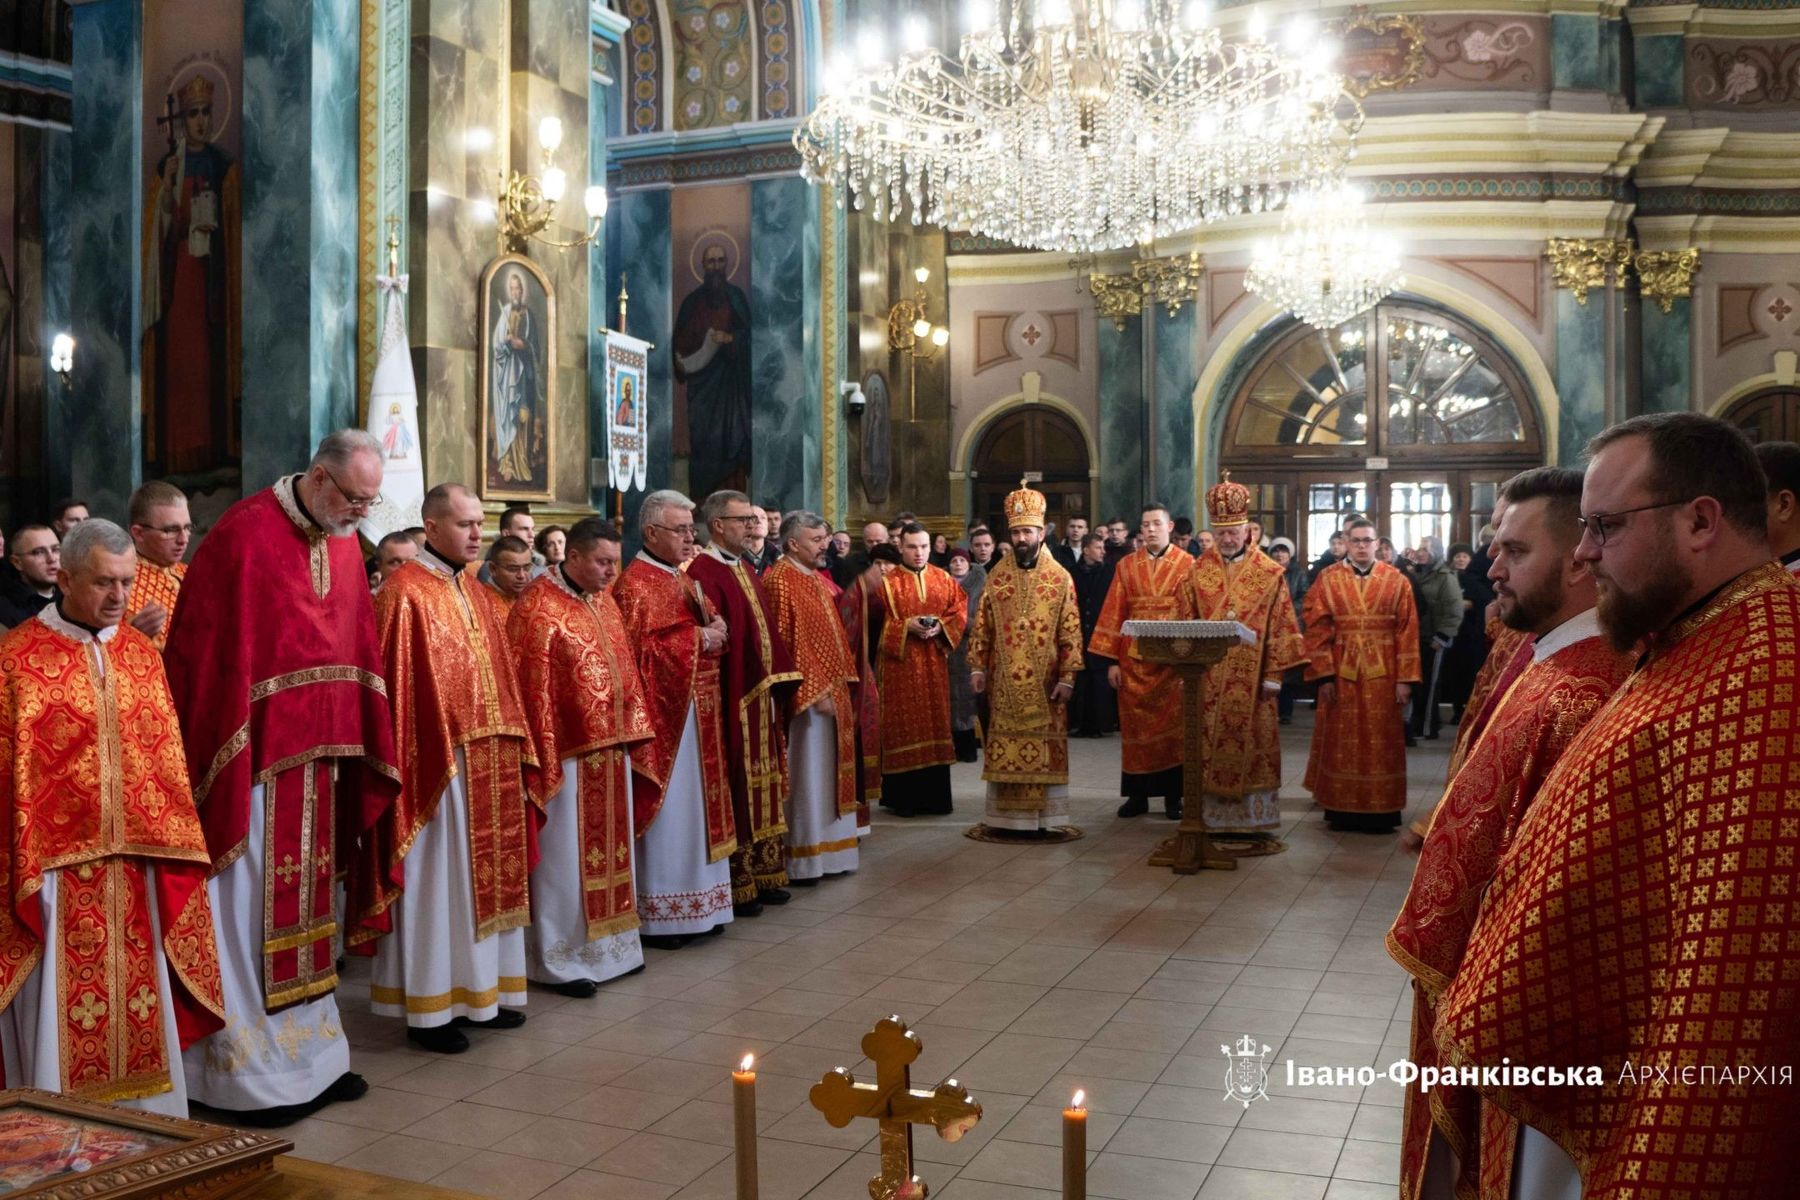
{"x":681,"y":793}
{"x":586,"y":708}
{"x":757,"y":680}
{"x":445,"y":871}
{"x":926,"y":615}
{"x":277,"y":677}
{"x":107,"y":962}
{"x":1149,"y":584}
{"x":161,"y":528}
{"x":1452,"y":1144}
{"x":863,"y":609}
{"x":1362,"y":640}
{"x":1640,"y":929}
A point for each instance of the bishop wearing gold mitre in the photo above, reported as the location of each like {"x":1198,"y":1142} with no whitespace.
{"x":822,"y":766}
{"x":447,"y":867}
{"x":1362,"y":646}
{"x":1629,"y":991}
{"x":1236,"y":581}
{"x":756,"y":679}
{"x":1545,"y":594}
{"x":586,"y":708}
{"x":160,"y":529}
{"x":107,"y":962}
{"x":926,"y":613}
{"x":1024,"y":652}
{"x":681,"y":794}
{"x":1149,"y":584}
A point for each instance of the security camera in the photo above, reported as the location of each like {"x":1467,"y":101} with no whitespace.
{"x":854,"y":400}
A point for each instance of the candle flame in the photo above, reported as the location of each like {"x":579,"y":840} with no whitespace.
{"x":1077,"y":1099}
{"x":749,"y":1061}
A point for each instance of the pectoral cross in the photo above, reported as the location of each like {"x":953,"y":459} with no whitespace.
{"x":891,"y":1100}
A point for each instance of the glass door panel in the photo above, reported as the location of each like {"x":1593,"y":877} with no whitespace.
{"x":1417,"y":508}
{"x":1326,"y":504}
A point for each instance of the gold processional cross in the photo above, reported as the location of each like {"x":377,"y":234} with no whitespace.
{"x":890,"y":1099}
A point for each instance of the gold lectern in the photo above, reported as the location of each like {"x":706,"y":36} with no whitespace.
{"x":1190,"y":647}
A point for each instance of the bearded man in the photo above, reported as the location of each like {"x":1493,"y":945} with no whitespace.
{"x":712,"y":358}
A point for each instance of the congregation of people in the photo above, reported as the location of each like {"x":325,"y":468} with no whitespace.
{"x":491,"y":763}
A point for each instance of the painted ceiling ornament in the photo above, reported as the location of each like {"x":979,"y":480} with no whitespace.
{"x":1381,"y":53}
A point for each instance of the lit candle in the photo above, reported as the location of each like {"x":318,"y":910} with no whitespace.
{"x":1075,"y":1148}
{"x":743,"y":1102}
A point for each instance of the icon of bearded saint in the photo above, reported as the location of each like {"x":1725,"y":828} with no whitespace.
{"x":712,"y":357}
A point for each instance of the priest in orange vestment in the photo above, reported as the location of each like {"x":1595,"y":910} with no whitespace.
{"x":160,"y":529}
{"x":586,"y":708}
{"x":681,"y":795}
{"x":1640,"y":929}
{"x":277,"y":676}
{"x":757,"y":680}
{"x":1149,"y":584}
{"x":1452,"y":1144}
{"x":107,"y":962}
{"x":822,"y":767}
{"x":1236,"y":581}
{"x":1362,"y":643}
{"x":926,"y":615}
{"x":446,"y":869}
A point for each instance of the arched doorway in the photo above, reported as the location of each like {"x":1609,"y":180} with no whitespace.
{"x":1771,"y":415}
{"x":1405,"y":414}
{"x":1032,"y":439}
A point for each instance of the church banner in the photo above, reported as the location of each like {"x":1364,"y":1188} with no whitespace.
{"x":627,"y":423}
{"x":394,"y":421}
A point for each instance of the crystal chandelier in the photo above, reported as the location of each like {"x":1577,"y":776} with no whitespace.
{"x":1082,"y":125}
{"x":1326,"y":266}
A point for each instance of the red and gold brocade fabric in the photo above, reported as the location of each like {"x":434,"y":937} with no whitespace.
{"x":1509,"y":654}
{"x":1645,"y":917}
{"x":915,"y":672}
{"x":756,"y":680}
{"x":1026,"y":639}
{"x":1145,"y":589}
{"x":1528,"y":731}
{"x":277,"y":676}
{"x":805,"y":616}
{"x":1243,"y":731}
{"x":155,"y":585}
{"x":1364,"y":631}
{"x":663,"y":611}
{"x":454,"y":687}
{"x":585,"y":702}
{"x":93,"y":785}
{"x":863,"y":609}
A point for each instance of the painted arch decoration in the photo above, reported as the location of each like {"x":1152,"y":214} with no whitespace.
{"x":707,"y":64}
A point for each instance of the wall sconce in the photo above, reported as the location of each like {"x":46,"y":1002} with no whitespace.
{"x":911,"y":333}
{"x":528,"y":203}
{"x":62,"y":356}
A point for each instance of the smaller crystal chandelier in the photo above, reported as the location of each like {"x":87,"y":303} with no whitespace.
{"x":1327,"y":265}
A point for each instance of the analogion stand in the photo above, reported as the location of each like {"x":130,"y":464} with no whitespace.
{"x":1189,"y":647}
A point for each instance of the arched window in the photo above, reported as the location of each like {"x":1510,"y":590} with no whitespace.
{"x":1771,"y":415}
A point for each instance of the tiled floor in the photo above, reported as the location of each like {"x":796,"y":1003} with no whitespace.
{"x":1027,"y":972}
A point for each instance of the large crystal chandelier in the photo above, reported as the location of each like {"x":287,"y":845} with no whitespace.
{"x":1083,"y":125}
{"x":1327,"y":265}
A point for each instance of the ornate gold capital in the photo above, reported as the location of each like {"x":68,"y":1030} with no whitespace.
{"x":1666,"y":276}
{"x":1585,"y":264}
{"x":1170,"y":282}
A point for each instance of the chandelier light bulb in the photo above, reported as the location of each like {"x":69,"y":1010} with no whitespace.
{"x":940,"y":337}
{"x":550,"y":133}
{"x":555,"y":184}
{"x":1298,"y":34}
{"x":1197,"y":15}
{"x":921,"y":328}
{"x":921,"y":274}
{"x":868,"y":49}
{"x":1256,"y":24}
{"x":977,"y":15}
{"x":594,"y":200}
{"x":915,"y":35}
{"x":1128,"y":15}
{"x":1054,"y":12}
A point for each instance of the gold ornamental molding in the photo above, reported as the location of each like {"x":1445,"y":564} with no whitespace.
{"x":1666,"y":276}
{"x":1380,"y":53}
{"x":1583,"y":265}
{"x":1170,"y":282}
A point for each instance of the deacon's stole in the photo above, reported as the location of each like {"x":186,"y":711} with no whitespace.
{"x":93,"y":785}
{"x":756,"y":676}
{"x":1364,"y":631}
{"x":1026,"y":639}
{"x":1529,"y":728}
{"x":1242,"y":727}
{"x":863,"y":609}
{"x":277,"y":676}
{"x":915,"y":672}
{"x":585,"y":704}
{"x":1145,"y":588}
{"x":1509,"y":654}
{"x":807,"y":621}
{"x":155,"y":585}
{"x":1645,"y":922}
{"x":663,"y":611}
{"x":454,"y":687}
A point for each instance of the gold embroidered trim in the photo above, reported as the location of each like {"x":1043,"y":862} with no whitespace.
{"x":333,"y":674}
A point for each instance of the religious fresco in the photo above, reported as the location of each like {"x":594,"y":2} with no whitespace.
{"x":518,"y":388}
{"x":192,"y":249}
{"x":711,"y":347}
{"x":713,"y":48}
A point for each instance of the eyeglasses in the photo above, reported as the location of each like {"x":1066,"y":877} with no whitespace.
{"x":365,"y":503}
{"x":677,"y":530}
{"x":170,"y":530}
{"x":749,"y":520}
{"x":1605,"y":525}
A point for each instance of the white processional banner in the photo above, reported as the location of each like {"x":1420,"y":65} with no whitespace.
{"x":394,"y":422}
{"x":627,"y":406}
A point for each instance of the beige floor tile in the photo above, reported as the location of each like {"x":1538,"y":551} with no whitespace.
{"x":1235,"y":1183}
{"x":1369,"y":1162}
{"x":1116,"y":968}
{"x":1130,"y":1177}
{"x":1019,"y":1063}
{"x":792,"y":1173}
{"x":598,"y":1185}
{"x":385,"y":1109}
{"x":1206,"y":1106}
{"x":638,"y":1037}
{"x":622,"y":1108}
{"x":587,"y":1064}
{"x":1041,"y":1124}
{"x":1350,"y":1189}
{"x":1270,"y":999}
{"x":327,"y":1141}
{"x":1021,"y":1164}
{"x":1375,"y":1123}
{"x":1120,"y":1096}
{"x":1100,"y":1062}
{"x":1182,"y":1141}
{"x":508,"y":1052}
{"x":533,"y":1093}
{"x":964,"y":1188}
{"x":447,"y":1078}
{"x":477,"y":1126}
{"x":719,"y":1049}
{"x":659,"y":1159}
{"x":405,"y":1157}
{"x":671,"y":1077}
{"x":1069,"y":1012}
{"x":1297,"y":1153}
{"x":1291,"y":978}
{"x":988,"y":1005}
{"x":1299,"y":1114}
{"x":506,"y":1176}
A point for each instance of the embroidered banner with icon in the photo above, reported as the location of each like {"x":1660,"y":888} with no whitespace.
{"x":627,"y":422}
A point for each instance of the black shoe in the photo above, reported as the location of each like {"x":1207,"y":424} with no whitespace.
{"x":349,"y":1086}
{"x":665,"y":941}
{"x":1134,"y":806}
{"x":575,"y":989}
{"x":439,"y":1039}
{"x":506,"y":1018}
{"x":775,"y":896}
{"x":1285,"y":720}
{"x":1411,"y":740}
{"x":749,"y":908}
{"x":1172,"y":807}
{"x":802,"y":883}
{"x":715,"y":931}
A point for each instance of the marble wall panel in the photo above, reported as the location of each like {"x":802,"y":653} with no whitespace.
{"x":600,"y":305}
{"x":1584,"y":52}
{"x":1175,"y":373}
{"x":1659,"y":68}
{"x":642,"y":227}
{"x":1121,"y":419}
{"x":55,"y":164}
{"x":1580,"y":372}
{"x":785,"y":393}
{"x":447,"y":390}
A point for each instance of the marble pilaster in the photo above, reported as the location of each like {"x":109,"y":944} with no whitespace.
{"x":1666,"y":357}
{"x":1121,"y":424}
{"x":1582,"y":371}
{"x":784,"y":423}
{"x":640,"y":223}
{"x":1659,"y":67}
{"x":1175,"y":371}
{"x":600,"y":307}
{"x":55,"y":167}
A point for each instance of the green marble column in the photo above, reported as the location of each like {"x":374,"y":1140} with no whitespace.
{"x":1175,"y":372}
{"x":1582,"y":371}
{"x":1121,"y":420}
{"x":1666,"y":357}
